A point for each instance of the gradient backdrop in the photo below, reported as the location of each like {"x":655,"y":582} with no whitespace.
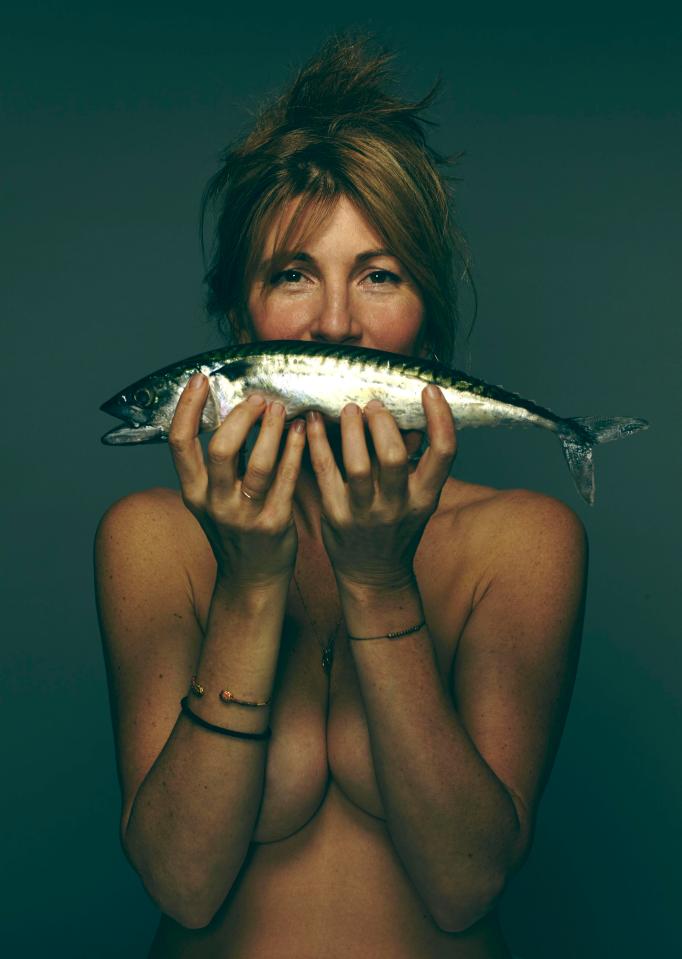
{"x":113,"y":116}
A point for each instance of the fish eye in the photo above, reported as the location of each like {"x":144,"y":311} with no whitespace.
{"x":143,"y":397}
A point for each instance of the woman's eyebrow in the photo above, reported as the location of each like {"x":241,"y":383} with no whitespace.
{"x":300,"y":256}
{"x":279,"y":259}
{"x":370,"y":254}
{"x":303,"y":257}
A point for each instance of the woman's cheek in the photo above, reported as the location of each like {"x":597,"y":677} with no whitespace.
{"x":395,"y":329}
{"x":280,"y":318}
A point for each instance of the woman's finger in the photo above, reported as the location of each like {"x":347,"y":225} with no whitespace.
{"x":435,"y":465}
{"x":356,"y":459}
{"x":281,"y":493}
{"x":228,"y":439}
{"x":324,"y":465}
{"x":390,"y":451}
{"x":188,"y":457}
{"x":260,"y":469}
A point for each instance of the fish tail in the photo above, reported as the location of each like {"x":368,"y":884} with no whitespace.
{"x":580,"y":434}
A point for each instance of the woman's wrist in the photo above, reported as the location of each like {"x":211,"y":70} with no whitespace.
{"x":256,"y":592}
{"x":377,"y":587}
{"x":373,"y":610}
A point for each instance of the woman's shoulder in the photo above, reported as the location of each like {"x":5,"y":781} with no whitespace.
{"x":493,"y":521}
{"x":155,"y":524}
{"x":158,"y":509}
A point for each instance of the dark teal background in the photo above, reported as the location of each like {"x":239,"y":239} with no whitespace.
{"x":112,"y":119}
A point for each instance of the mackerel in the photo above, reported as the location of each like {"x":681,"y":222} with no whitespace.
{"x":314,"y":376}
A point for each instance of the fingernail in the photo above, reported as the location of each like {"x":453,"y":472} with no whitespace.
{"x":196,"y":381}
{"x":313,"y":416}
{"x":299,"y":426}
{"x":374,"y":405}
{"x":433,"y":391}
{"x":256,"y":400}
{"x":352,"y":408}
{"x":276,"y":408}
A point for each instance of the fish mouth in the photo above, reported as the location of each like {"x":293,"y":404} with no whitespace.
{"x":126,"y":435}
{"x":129,"y":431}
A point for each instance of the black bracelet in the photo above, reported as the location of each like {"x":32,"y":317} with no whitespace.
{"x":221,"y":729}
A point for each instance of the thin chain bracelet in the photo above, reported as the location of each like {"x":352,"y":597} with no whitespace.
{"x":224,"y":695}
{"x":394,"y":635}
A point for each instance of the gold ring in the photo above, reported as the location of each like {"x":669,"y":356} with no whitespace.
{"x":255,"y":499}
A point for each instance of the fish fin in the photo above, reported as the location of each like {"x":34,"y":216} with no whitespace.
{"x":600,"y":429}
{"x":580,"y":434}
{"x":234,"y":370}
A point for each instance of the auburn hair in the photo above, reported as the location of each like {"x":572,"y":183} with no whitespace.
{"x":337,"y":131}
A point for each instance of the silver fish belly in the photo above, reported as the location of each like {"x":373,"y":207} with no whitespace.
{"x":311,"y":376}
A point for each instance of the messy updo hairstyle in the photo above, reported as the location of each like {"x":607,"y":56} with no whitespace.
{"x":337,"y":131}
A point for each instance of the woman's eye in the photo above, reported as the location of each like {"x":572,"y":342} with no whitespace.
{"x":382,"y":276}
{"x":287,"y":276}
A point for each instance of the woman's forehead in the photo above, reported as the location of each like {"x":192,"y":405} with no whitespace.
{"x":302,"y":221}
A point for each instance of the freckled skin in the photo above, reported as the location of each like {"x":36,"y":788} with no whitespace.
{"x":345,"y":288}
{"x":344,"y":842}
{"x":336,"y":299}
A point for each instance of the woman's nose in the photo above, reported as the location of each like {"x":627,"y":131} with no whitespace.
{"x":335,"y":318}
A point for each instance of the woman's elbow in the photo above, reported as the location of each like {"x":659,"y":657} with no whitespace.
{"x":462,"y":915}
{"x":192,"y":908}
{"x":188,"y":917}
{"x":180,"y":894}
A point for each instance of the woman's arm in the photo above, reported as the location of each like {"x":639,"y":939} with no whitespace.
{"x":461,"y":785}
{"x":191,"y":795}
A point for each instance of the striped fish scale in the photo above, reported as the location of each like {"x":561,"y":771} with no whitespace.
{"x":336,"y":375}
{"x":318,"y":376}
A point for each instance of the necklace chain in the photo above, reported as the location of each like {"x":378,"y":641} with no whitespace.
{"x":328,"y":650}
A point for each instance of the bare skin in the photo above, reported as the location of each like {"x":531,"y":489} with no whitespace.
{"x":393,"y":802}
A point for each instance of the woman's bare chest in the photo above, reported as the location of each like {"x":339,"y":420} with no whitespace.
{"x":319,"y":725}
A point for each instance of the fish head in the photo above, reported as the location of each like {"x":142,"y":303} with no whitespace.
{"x":146,"y":408}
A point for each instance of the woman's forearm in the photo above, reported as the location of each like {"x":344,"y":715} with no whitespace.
{"x":452,"y":821}
{"x":193,"y":817}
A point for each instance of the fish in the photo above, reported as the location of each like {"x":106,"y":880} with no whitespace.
{"x":304,"y":376}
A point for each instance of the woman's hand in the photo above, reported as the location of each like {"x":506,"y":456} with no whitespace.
{"x":249,"y":521}
{"x":372,"y":523}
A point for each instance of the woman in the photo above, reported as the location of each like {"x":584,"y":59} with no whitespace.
{"x":339,"y":677}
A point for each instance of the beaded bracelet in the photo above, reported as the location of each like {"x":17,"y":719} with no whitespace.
{"x":394,"y":635}
{"x":237,"y":734}
{"x":225,"y":695}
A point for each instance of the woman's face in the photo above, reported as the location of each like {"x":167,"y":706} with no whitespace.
{"x":344,"y":287}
